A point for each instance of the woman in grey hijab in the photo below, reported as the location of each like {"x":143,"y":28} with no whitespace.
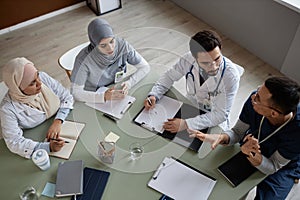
{"x":103,"y":62}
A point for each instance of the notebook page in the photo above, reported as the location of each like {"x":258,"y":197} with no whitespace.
{"x":70,"y":129}
{"x":66,"y":150}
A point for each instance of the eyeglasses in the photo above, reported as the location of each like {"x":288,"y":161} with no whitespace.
{"x":216,"y":62}
{"x":256,"y":101}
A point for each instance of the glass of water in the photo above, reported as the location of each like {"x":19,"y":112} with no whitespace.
{"x":136,"y":150}
{"x":29,"y":194}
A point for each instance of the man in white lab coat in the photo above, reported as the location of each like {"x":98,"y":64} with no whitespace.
{"x":212,"y":81}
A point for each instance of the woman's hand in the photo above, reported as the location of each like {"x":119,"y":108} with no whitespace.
{"x":56,"y":145}
{"x":125,"y":87}
{"x":112,"y":94}
{"x":54,"y":130}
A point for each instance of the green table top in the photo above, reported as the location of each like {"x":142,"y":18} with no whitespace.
{"x":128,"y":179}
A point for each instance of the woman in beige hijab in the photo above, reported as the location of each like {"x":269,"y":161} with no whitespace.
{"x":32,"y":98}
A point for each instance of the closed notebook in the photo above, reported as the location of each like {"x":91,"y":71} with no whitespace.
{"x":69,"y":178}
{"x":94,"y":184}
{"x":237,"y":169}
{"x":70,"y":132}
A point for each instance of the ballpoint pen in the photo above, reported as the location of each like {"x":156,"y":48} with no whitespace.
{"x":127,"y":106}
{"x":149,"y":101}
{"x":58,"y":140}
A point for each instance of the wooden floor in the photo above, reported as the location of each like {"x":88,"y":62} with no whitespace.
{"x":158,"y":29}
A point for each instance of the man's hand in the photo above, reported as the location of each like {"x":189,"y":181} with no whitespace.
{"x":214,"y":139}
{"x":251,"y":148}
{"x":175,"y":125}
{"x":150,"y":102}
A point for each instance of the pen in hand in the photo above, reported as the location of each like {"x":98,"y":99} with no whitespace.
{"x":58,"y":140}
{"x":149,"y":101}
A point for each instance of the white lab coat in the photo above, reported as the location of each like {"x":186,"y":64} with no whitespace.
{"x":16,"y":116}
{"x":220,"y":105}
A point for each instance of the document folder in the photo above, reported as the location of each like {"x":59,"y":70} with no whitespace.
{"x":181,"y":181}
{"x":237,"y":169}
{"x":94,"y":184}
{"x":69,"y":178}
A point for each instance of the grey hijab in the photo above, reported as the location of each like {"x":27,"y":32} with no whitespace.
{"x":99,"y":29}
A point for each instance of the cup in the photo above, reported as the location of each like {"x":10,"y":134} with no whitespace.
{"x":29,"y":194}
{"x":106,"y":151}
{"x":41,"y":159}
{"x":136,"y":150}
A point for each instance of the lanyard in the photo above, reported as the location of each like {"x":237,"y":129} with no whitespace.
{"x":215,"y":92}
{"x":280,"y":127}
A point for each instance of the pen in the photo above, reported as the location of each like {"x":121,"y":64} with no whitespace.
{"x":149,"y":101}
{"x":58,"y":140}
{"x":128,"y":105}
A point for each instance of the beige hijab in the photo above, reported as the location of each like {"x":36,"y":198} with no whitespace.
{"x":12,"y":74}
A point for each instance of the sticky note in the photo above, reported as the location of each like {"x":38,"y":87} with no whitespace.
{"x":49,"y":190}
{"x":111,"y":137}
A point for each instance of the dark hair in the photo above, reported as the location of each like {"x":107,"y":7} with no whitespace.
{"x":285,"y":93}
{"x":204,"y":41}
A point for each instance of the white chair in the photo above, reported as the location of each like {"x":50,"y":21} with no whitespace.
{"x":3,"y":91}
{"x":66,"y":61}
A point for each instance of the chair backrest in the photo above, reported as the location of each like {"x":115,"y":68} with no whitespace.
{"x":240,"y":69}
{"x":3,"y":91}
{"x":66,"y":61}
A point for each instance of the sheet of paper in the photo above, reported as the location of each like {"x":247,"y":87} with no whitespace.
{"x":66,"y":150}
{"x":115,"y":108}
{"x":70,"y":129}
{"x":180,"y":181}
{"x":165,"y":109}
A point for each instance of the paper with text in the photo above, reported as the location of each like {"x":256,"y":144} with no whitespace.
{"x":166,"y":108}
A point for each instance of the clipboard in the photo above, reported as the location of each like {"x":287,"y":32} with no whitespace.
{"x":178,"y":180}
{"x":184,"y":111}
{"x":114,"y":109}
{"x":153,"y":119}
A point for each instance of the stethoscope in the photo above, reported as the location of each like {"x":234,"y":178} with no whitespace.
{"x":210,"y":94}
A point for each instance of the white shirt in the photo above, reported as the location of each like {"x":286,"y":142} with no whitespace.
{"x":16,"y":116}
{"x":220,"y":104}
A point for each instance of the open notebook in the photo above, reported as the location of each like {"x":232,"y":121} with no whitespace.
{"x":181,"y":181}
{"x":70,"y":132}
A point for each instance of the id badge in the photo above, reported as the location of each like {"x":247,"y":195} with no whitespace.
{"x":119,"y":76}
{"x":207,"y":104}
